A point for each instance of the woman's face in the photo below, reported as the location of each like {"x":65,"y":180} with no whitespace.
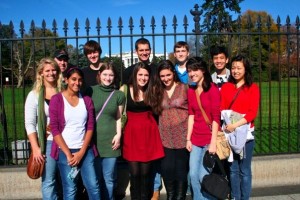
{"x":49,"y":73}
{"x":107,"y":77}
{"x":74,"y":82}
{"x":238,"y":71}
{"x":167,"y":77}
{"x":142,"y":77}
{"x":196,"y":76}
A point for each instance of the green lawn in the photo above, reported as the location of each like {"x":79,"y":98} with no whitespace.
{"x":277,"y":126}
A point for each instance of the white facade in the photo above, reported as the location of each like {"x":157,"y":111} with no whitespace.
{"x":126,"y":57}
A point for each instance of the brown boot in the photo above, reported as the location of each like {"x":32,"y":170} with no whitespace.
{"x":155,"y":195}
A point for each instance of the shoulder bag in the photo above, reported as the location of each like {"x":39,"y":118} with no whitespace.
{"x":223,"y":147}
{"x":124,"y":115}
{"x":215,"y":184}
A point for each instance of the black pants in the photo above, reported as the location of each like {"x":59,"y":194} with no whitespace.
{"x":175,"y":164}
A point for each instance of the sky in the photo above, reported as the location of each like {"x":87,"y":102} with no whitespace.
{"x":48,"y":10}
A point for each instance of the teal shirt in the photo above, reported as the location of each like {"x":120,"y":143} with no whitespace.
{"x":105,"y":128}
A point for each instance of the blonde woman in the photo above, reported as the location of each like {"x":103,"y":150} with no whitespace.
{"x":37,"y":121}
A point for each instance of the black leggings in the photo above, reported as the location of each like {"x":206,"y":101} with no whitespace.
{"x":139,"y":168}
{"x":140,"y":180}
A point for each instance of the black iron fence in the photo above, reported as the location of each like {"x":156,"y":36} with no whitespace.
{"x":273,"y":49}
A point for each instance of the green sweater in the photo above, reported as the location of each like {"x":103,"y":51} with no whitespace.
{"x":105,"y":128}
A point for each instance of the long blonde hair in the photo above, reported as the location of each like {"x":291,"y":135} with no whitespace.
{"x":39,"y":82}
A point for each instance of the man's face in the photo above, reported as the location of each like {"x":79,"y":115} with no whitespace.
{"x":62,"y":62}
{"x":220,"y":61}
{"x":143,"y":52}
{"x":93,"y":57}
{"x":181,"y":54}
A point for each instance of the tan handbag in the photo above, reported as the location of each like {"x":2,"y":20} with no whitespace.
{"x":34,"y":169}
{"x":223,"y":147}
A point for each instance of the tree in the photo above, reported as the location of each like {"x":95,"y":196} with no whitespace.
{"x":6,"y":32}
{"x":217,"y":11}
{"x":27,"y":51}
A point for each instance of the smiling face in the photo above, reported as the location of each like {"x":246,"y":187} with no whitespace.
{"x":143,"y":52}
{"x":142,"y":77}
{"x":167,"y":77}
{"x":106,"y":77}
{"x":49,"y":73}
{"x":196,"y":76}
{"x":238,"y":71}
{"x":74,"y":82}
{"x":181,"y":54}
{"x":93,"y":57}
{"x":62,"y":62}
{"x":220,"y":61}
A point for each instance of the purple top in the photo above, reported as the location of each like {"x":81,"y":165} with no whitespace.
{"x":57,"y":120}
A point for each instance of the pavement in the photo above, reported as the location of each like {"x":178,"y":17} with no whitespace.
{"x":273,"y":193}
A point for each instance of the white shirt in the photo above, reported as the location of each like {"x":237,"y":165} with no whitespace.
{"x":76,"y":119}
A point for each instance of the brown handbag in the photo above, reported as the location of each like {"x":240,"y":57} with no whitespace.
{"x":34,"y":169}
{"x":223,"y":147}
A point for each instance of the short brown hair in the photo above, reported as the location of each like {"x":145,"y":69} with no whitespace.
{"x":91,"y":46}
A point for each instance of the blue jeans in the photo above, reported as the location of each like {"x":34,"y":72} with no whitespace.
{"x":197,"y":172}
{"x":241,"y":175}
{"x":88,"y":174}
{"x":49,"y":182}
{"x":107,"y":175}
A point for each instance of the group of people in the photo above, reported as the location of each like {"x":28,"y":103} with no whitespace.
{"x":73,"y":122}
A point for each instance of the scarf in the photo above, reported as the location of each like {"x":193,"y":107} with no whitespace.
{"x":41,"y":120}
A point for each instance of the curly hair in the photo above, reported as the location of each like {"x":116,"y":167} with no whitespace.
{"x":158,"y":88}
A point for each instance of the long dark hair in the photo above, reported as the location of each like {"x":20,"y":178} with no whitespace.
{"x":197,"y":63}
{"x":133,"y":81}
{"x":248,"y":73}
{"x":158,"y":87}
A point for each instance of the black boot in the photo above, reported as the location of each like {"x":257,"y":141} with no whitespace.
{"x":135,"y":188}
{"x":181,"y":187}
{"x":170,"y":188}
{"x":146,"y":188}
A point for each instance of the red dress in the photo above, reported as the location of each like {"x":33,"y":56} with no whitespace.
{"x":142,"y":141}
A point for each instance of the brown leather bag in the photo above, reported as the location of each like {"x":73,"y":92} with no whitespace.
{"x":34,"y":169}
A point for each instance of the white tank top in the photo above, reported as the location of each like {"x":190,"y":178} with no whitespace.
{"x":76,"y":119}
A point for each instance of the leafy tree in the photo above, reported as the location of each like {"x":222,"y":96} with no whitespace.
{"x":217,"y":11}
{"x":217,"y":19}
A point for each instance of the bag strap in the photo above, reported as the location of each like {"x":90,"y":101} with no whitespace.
{"x":104,"y":105}
{"x":235,"y":96}
{"x":125,"y":92}
{"x":217,"y":159}
{"x":201,"y":108}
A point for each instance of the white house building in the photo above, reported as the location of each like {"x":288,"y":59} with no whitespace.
{"x":126,"y":57}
